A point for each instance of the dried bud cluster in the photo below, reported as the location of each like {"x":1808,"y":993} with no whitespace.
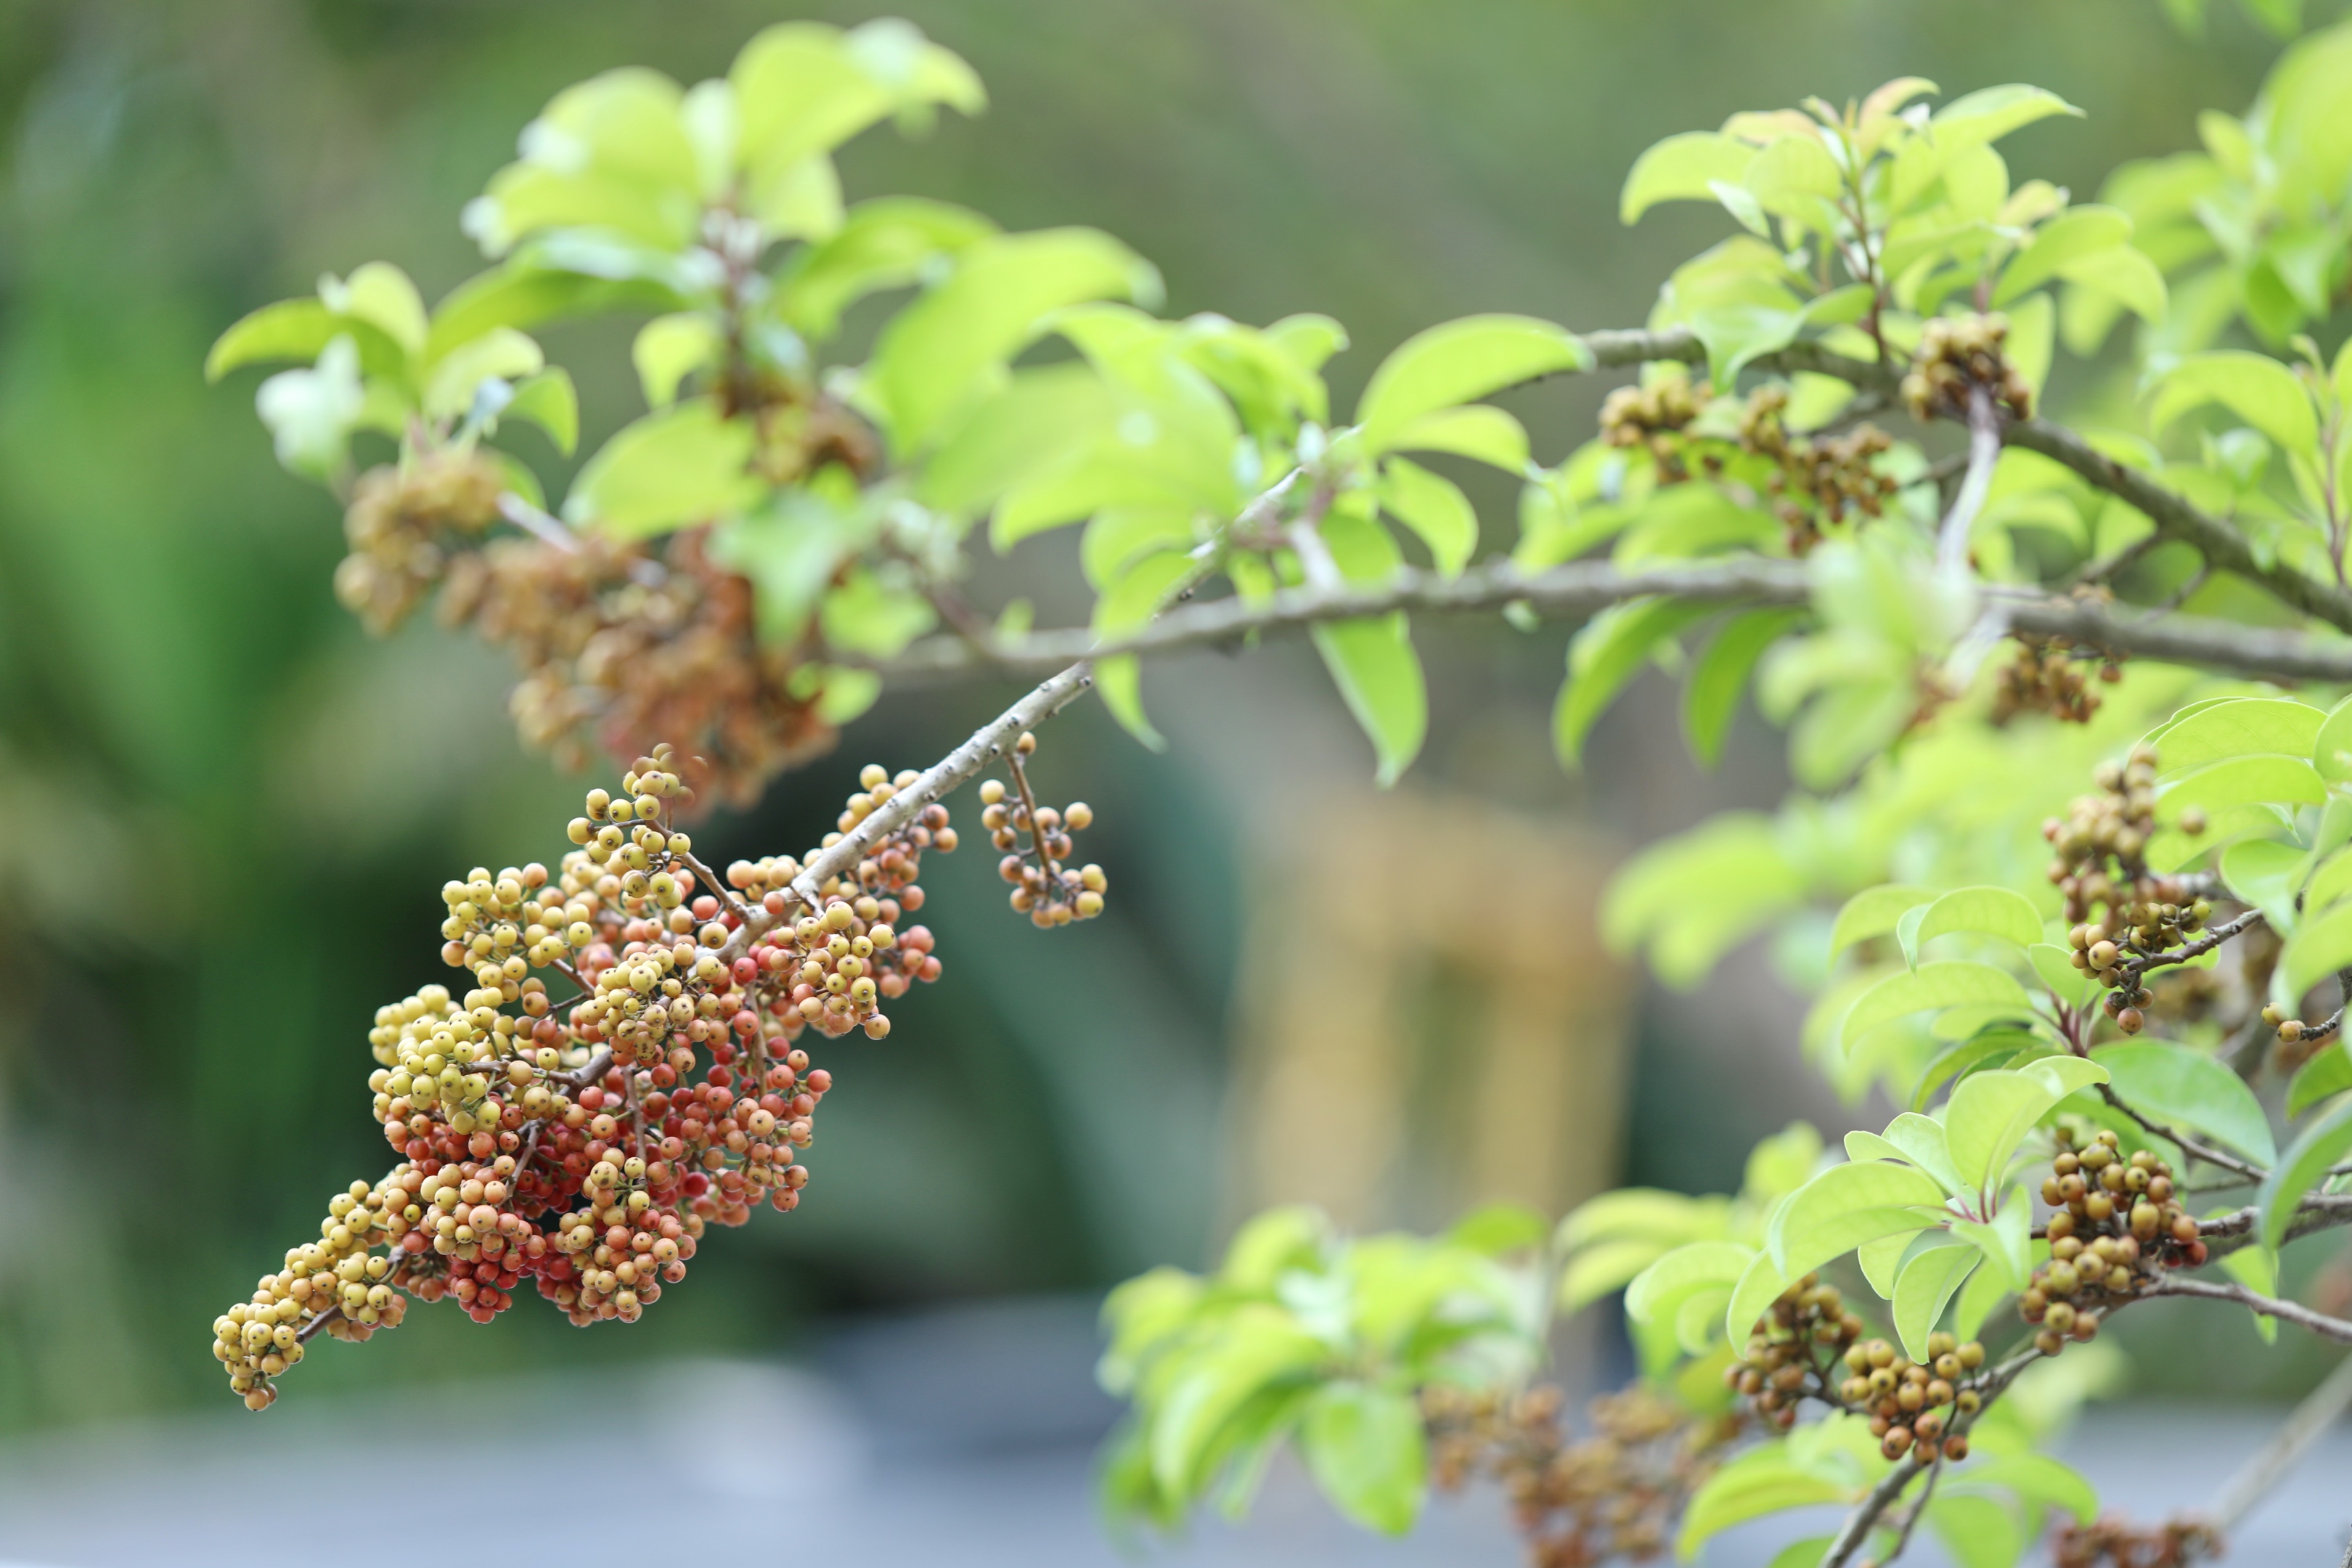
{"x":1793,"y":1351}
{"x":1617,"y":1494}
{"x":2114,"y":1543}
{"x":584,"y":1143}
{"x":1045,"y":888}
{"x":1958,"y":353}
{"x":403,"y":525}
{"x":2123,"y":912}
{"x":1814,"y":482}
{"x":2047,"y":678}
{"x":2118,"y":1224}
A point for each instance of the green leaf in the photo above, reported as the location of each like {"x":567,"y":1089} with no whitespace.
{"x":668,"y":348}
{"x":1753,"y":1297}
{"x":1434,"y":509}
{"x":522,"y":293}
{"x":1717,"y":677}
{"x":2263,"y":871}
{"x":1987,"y":911}
{"x":1476,"y":430}
{"x":685,"y":464}
{"x":1919,"y":1139}
{"x":2302,"y":1167}
{"x":1606,"y":654}
{"x":2321,"y":948}
{"x":1379,"y":676}
{"x":1805,"y":1554}
{"x":2075,"y":233}
{"x":1873,"y":911}
{"x":882,"y":244}
{"x":2257,"y":388}
{"x":1259,"y":1347}
{"x":1978,"y":1532}
{"x":2331,"y":750}
{"x":1763,"y":1480}
{"x":1604,"y":1267}
{"x":1991,"y":113}
{"x":2235,"y":728}
{"x":2006,"y":1241}
{"x":1947,"y":982}
{"x":1685,"y":167}
{"x":2328,"y":1073}
{"x":547,"y":400}
{"x":2241,"y":781}
{"x":289,"y":329}
{"x":1990,"y":1113}
{"x":2124,"y":275}
{"x":803,"y":88}
{"x":1845,"y":1207}
{"x":2255,"y":1267}
{"x":1126,"y":604}
{"x":939,"y":354}
{"x":1985,"y":1290}
{"x":2189,"y":1088}
{"x":1365,"y":1448}
{"x":1702,"y":1266}
{"x":2056,"y":970}
{"x":1461,"y":362}
{"x":1925,"y":1285}
{"x":501,"y":353}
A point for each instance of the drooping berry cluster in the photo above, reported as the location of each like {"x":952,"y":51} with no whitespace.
{"x":1793,"y":1351}
{"x":1045,"y":887}
{"x":2123,"y":912}
{"x":2118,"y":1224}
{"x":1616,"y":1494}
{"x":2112,"y":1543}
{"x":1914,"y":1407}
{"x":584,"y":1142}
{"x":1958,"y":354}
{"x":1816,"y":480}
{"x":2047,"y":676}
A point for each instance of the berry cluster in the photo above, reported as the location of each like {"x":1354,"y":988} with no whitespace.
{"x":1794,"y":1350}
{"x":2123,"y":912}
{"x":1915,"y":1408}
{"x":1616,"y":1494}
{"x":2117,"y":1544}
{"x":1958,"y":354}
{"x":2046,"y":678}
{"x":1045,"y":888}
{"x":584,"y":1142}
{"x":405,"y":523}
{"x":1653,"y":419}
{"x":2118,"y":1222}
{"x":1815,"y":480}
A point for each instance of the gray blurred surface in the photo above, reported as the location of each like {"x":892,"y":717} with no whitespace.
{"x":961,"y":1438}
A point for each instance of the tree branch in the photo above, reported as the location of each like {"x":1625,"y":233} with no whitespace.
{"x":1984,"y":455}
{"x":2271,"y":1463}
{"x":2319,"y":1323}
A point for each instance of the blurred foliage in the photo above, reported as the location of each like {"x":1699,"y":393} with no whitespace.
{"x":228,"y":796}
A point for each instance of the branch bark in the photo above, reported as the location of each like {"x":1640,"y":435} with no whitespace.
{"x":2293,"y":1313}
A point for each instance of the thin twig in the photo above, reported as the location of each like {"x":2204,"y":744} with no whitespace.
{"x":2193,"y":1148}
{"x":542,"y":525}
{"x":1036,"y":829}
{"x":1912,"y":1515}
{"x":2277,"y":1460}
{"x":2140,"y":964}
{"x":2293,"y":1313}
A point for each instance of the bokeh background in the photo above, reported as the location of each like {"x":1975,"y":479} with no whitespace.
{"x":228,"y":811}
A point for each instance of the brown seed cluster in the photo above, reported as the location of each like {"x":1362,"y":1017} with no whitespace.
{"x":1956,"y":354}
{"x":617,"y":646}
{"x":2123,"y":912}
{"x":1653,"y":419}
{"x":2113,"y":1543}
{"x":1045,"y":886}
{"x":2118,"y":1224}
{"x":1913,"y":1407}
{"x":583,"y":1142}
{"x":1616,"y":1494}
{"x":405,"y":523}
{"x":1793,"y":1351}
{"x":1816,"y":479}
{"x":2047,"y":676}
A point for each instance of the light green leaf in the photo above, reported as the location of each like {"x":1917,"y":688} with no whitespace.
{"x":1476,"y":430}
{"x":1703,"y":1265}
{"x":2241,"y":781}
{"x":1379,"y":675}
{"x":1978,"y":1532}
{"x":1991,"y":113}
{"x":1925,"y":1285}
{"x":1988,"y":910}
{"x":2190,"y":1089}
{"x":1602,"y":1267}
{"x":2331,"y":750}
{"x":2321,"y":948}
{"x":2255,"y":387}
{"x":2006,"y":1241}
{"x":2036,"y":1478}
{"x":1761,"y":1481}
{"x":1259,"y":1347}
{"x":1845,"y":1207}
{"x":1365,"y":1448}
{"x":1461,"y":362}
{"x":2075,"y":233}
{"x":1805,"y":1554}
{"x":939,"y":353}
{"x":682,"y":464}
{"x":547,"y":400}
{"x":1985,"y":1290}
{"x":1605,"y":655}
{"x":803,"y":88}
{"x":1948,"y":982}
{"x":2302,"y":1167}
{"x":881,"y":244}
{"x":2325,"y":1074}
{"x":2255,"y":1267}
{"x":502,"y":352}
{"x":2056,"y":970}
{"x":2234,"y":728}
{"x":1717,"y":677}
{"x":1991,"y":1112}
{"x":1435,"y":510}
{"x":1670,"y":1217}
{"x":1126,"y":604}
{"x":2263,"y":871}
{"x":668,"y":348}
{"x":1873,"y":911}
{"x":2124,"y":274}
{"x":297,"y":329}
{"x":1684,"y":167}
{"x":1753,"y":1297}
{"x":1919,"y":1139}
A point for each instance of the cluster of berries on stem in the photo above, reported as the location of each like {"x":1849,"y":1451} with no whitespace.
{"x":1037,"y":840}
{"x":2118,"y":1224}
{"x":584,"y":1142}
{"x":1792,"y":1354}
{"x":2111,"y":1543}
{"x":1960,"y":355}
{"x":2047,"y":676}
{"x":2126,"y":919}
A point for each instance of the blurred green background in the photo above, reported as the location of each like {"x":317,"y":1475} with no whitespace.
{"x":229,"y":812}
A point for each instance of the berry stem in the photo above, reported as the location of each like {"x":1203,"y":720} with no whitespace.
{"x":2188,"y":1145}
{"x":1029,"y":805}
